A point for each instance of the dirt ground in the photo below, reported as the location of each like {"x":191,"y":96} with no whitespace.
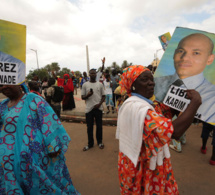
{"x":94,"y":172}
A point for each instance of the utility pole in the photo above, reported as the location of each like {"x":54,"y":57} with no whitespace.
{"x":88,"y":63}
{"x":36,"y":57}
{"x":156,"y":56}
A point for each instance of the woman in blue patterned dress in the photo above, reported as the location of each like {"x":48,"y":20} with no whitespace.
{"x":32,"y":146}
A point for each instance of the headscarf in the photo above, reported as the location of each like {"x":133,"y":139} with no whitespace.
{"x":129,"y":75}
{"x":66,"y":75}
{"x":24,"y":87}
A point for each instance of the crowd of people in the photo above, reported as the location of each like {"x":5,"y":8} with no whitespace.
{"x":33,"y":158}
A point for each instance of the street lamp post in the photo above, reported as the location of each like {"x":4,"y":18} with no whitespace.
{"x":88,"y":62}
{"x":36,"y":57}
{"x":156,"y":55}
{"x":156,"y":59}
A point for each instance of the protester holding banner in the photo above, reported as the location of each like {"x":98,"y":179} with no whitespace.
{"x":144,"y":164}
{"x":33,"y":143}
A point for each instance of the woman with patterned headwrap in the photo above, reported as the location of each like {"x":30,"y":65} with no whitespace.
{"x":144,"y":134}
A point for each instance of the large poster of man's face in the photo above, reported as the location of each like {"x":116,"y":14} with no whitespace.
{"x":12,"y":53}
{"x":189,"y":62}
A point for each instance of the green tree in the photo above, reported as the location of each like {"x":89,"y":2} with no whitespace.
{"x":49,"y":69}
{"x":64,"y":71}
{"x":77,"y":73}
{"x":115,"y":65}
{"x":55,"y":67}
{"x":41,"y":73}
{"x":125,"y":64}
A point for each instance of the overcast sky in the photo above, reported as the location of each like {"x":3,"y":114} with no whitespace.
{"x":116,"y":29}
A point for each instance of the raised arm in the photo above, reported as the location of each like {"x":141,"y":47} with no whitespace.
{"x":54,"y":75}
{"x":103,"y":64}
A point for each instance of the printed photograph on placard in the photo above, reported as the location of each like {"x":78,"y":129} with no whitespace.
{"x":12,"y":53}
{"x":164,"y":40}
{"x":188,"y":62}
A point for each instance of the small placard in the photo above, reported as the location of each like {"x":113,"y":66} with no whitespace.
{"x":176,"y":98}
{"x":8,"y":73}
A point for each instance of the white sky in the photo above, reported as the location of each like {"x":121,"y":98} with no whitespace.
{"x":116,"y":29}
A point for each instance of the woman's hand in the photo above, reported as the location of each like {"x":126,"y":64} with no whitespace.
{"x":103,"y":60}
{"x":194,"y":96}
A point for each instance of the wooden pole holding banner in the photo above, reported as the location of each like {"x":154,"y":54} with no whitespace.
{"x":88,"y":63}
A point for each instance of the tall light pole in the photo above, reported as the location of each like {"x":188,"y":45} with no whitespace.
{"x":88,"y":62}
{"x":36,"y":57}
{"x":156,"y":56}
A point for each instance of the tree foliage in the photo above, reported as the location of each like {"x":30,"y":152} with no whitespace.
{"x":64,"y":71}
{"x":41,"y":73}
{"x":54,"y":66}
{"x":47,"y":71}
{"x":125,"y":64}
{"x":78,"y":73}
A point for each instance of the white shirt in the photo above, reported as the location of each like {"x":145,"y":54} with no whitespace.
{"x":108,"y":88}
{"x":98,"y":92}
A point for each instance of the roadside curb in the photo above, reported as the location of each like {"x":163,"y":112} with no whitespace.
{"x":82,"y":119}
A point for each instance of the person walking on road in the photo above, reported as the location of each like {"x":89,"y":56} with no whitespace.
{"x":93,"y":93}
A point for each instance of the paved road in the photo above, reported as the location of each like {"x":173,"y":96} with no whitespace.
{"x":95,"y":172}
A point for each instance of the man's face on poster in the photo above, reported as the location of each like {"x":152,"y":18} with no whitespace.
{"x":192,"y":55}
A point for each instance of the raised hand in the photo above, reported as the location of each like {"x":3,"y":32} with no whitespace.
{"x":103,"y":60}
